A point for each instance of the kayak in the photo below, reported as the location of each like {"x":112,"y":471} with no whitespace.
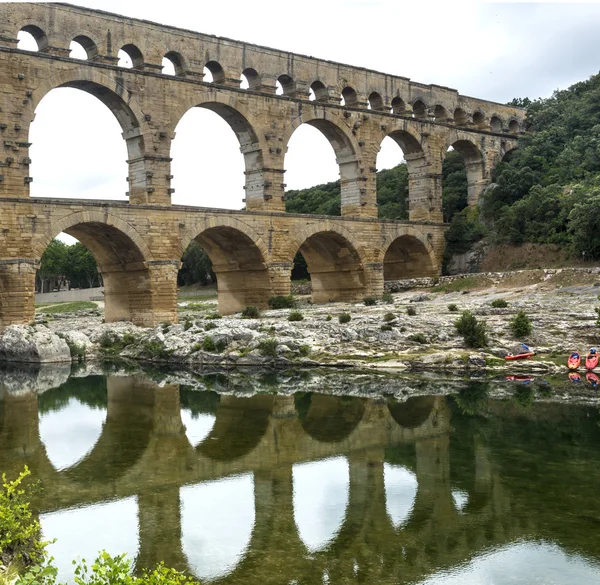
{"x":520,"y":356}
{"x":591,"y":361}
{"x":574,"y":361}
{"x":574,"y":377}
{"x":592,"y":379}
{"x":523,"y":379}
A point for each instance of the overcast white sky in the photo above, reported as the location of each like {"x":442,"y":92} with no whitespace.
{"x":495,"y":51}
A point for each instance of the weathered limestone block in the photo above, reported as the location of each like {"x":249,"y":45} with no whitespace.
{"x":22,"y":343}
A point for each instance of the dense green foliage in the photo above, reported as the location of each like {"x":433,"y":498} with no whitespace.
{"x":472,"y":330}
{"x":196,"y":267}
{"x":520,"y":325}
{"x":282,"y":302}
{"x":68,"y":265}
{"x":549,"y":190}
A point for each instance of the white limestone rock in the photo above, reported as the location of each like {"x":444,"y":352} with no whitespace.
{"x":37,"y":345}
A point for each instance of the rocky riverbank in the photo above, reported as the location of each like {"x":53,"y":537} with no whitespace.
{"x":412,"y":330}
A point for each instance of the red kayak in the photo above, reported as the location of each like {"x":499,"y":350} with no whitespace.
{"x":592,"y":379}
{"x":520,"y":356}
{"x":591,"y":361}
{"x":574,"y":361}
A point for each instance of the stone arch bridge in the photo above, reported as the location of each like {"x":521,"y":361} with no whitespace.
{"x":138,"y":244}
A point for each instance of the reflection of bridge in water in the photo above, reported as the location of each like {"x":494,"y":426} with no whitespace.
{"x":143,"y":451}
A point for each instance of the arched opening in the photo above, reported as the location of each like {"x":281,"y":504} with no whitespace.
{"x":398,"y":106}
{"x":32,"y":38}
{"x":376,"y":102}
{"x":321,"y":496}
{"x":213,"y":72}
{"x":249,"y":79}
{"x":412,"y":413}
{"x":349,"y":97}
{"x":208,"y":168}
{"x":478,"y":120}
{"x":172,"y":64}
{"x":130,"y":57}
{"x":217,"y":520}
{"x":514,"y":127}
{"x":198,"y":413}
{"x":400,"y":493}
{"x":83,"y":47}
{"x":460,"y":117}
{"x":122,"y":265}
{"x":495,"y":124}
{"x":285,"y":85}
{"x":440,"y":114}
{"x":318,"y":91}
{"x":92,"y":122}
{"x":419,"y":109}
{"x":399,"y":156}
{"x":309,"y":162}
{"x":329,"y":419}
{"x":407,"y":257}
{"x":463,"y":177}
{"x":335,"y":268}
{"x":239,"y":267}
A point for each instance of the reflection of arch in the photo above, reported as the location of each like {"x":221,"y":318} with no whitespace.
{"x":412,"y":413}
{"x":89,"y":46}
{"x":408,"y":256}
{"x":334,"y":262}
{"x":121,"y":254}
{"x":239,"y":427}
{"x":331,"y":419}
{"x":38,"y":34}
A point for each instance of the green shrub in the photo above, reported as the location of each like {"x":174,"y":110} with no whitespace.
{"x":210,"y":326}
{"x":453,"y":308}
{"x":328,"y":318}
{"x":386,"y":327}
{"x":295,"y":316}
{"x":77,"y":350}
{"x":345,"y":317}
{"x":411,"y":311}
{"x":281,"y":302}
{"x":250,"y":312}
{"x":111,"y":343}
{"x":212,"y":346}
{"x":165,"y":326}
{"x":520,"y":325}
{"x":188,"y":324}
{"x":389,"y":317}
{"x":268,"y":347}
{"x":369,"y":301}
{"x":387,"y":298}
{"x":156,"y":349}
{"x":472,"y":330}
{"x":418,"y":338}
{"x":304,"y":349}
{"x":19,"y":531}
{"x":213,"y":316}
{"x":499,"y":304}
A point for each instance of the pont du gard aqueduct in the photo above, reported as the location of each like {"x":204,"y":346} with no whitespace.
{"x":139,"y":244}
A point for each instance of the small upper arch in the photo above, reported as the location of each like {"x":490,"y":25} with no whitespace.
{"x":130,"y":53}
{"x":286,"y":83}
{"x":460,"y":117}
{"x":87,"y":44}
{"x":419,"y":108}
{"x":213,"y":72}
{"x":513,"y":126}
{"x":440,"y":113}
{"x":478,"y":119}
{"x":349,"y":96}
{"x":496,"y":123}
{"x":319,"y":92}
{"x":376,"y":101}
{"x":38,"y":35}
{"x":173,"y":64}
{"x":252,"y":78}
{"x":398,"y":105}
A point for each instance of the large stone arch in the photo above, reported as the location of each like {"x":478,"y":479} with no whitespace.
{"x":408,"y":253}
{"x":261,"y":178}
{"x":335,"y":261}
{"x":475,"y":162}
{"x":125,"y":262}
{"x":239,"y":258}
{"x":345,"y":146}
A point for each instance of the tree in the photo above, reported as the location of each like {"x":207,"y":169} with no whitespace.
{"x":585,"y":225}
{"x":196,"y":267}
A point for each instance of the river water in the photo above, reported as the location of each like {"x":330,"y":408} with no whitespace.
{"x":310,"y":488}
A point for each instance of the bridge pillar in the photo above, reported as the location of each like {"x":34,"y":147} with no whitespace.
{"x":358,"y":187}
{"x":264,"y":188}
{"x":374,"y":279}
{"x":149,"y":176}
{"x":424,"y":189}
{"x":17,"y":291}
{"x":280,"y":274}
{"x":241,"y":288}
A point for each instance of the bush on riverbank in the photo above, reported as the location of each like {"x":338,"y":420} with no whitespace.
{"x":520,"y":325}
{"x":472,"y":330}
{"x":282,"y":302}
